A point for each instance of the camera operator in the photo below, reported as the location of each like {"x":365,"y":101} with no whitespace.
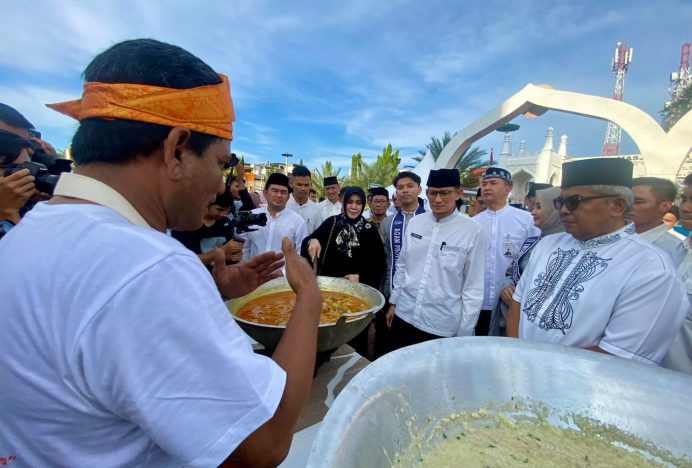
{"x":216,"y":233}
{"x":15,"y":145}
{"x":242,"y":200}
{"x":29,"y":167}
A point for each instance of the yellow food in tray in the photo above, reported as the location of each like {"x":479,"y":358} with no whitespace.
{"x":275,"y":308}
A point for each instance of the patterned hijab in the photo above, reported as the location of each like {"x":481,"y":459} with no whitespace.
{"x":552,"y":223}
{"x":349,"y":229}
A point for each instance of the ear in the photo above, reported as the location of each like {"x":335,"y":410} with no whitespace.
{"x":175,"y":151}
{"x":618,"y":206}
{"x":664,"y":206}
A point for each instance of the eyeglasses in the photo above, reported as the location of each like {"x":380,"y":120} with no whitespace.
{"x":442,"y":193}
{"x":572,"y":202}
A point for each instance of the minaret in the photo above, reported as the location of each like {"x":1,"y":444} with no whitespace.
{"x":506,"y":146}
{"x":548,"y":145}
{"x":562,"y":150}
{"x":544,"y":157}
{"x":522,"y":148}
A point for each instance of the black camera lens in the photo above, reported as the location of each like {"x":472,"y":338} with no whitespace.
{"x":45,"y":181}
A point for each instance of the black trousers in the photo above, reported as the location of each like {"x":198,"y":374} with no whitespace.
{"x":382,"y":344}
{"x":483,"y":324}
{"x":404,"y":334}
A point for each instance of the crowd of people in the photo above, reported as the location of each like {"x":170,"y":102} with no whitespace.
{"x":118,"y":348}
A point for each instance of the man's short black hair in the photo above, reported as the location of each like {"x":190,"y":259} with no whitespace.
{"x":407,"y":174}
{"x":312,"y":190}
{"x":663,"y":189}
{"x":300,"y":171}
{"x":13,"y":118}
{"x":147,"y":62}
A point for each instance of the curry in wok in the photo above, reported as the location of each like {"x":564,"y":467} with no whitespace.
{"x":276,"y":308}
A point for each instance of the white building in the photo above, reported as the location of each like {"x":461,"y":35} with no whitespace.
{"x":544,"y":166}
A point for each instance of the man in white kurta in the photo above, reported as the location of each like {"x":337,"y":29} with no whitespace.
{"x":653,"y":197}
{"x":506,"y":228}
{"x":299,"y":201}
{"x":615,"y":292}
{"x":599,"y":285}
{"x":438,"y":286}
{"x":281,"y":222}
{"x":331,"y":205}
{"x":679,"y":356}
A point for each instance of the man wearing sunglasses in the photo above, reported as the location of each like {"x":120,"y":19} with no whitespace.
{"x":15,"y":146}
{"x":599,"y":285}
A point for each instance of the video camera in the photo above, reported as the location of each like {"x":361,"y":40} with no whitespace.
{"x":242,"y":220}
{"x":45,"y":167}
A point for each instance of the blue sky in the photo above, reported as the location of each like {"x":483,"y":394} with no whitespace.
{"x":326,"y":79}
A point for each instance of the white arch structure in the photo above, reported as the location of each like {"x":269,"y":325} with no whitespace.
{"x":663,"y":153}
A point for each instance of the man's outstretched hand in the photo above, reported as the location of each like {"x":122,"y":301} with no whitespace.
{"x":243,"y":278}
{"x":298,"y":271}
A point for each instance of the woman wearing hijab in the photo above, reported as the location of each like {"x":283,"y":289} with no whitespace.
{"x":547,"y":219}
{"x":346,"y":245}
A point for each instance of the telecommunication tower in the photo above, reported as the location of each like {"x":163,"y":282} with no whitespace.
{"x":679,"y":82}
{"x":621,"y":61}
{"x":681,"y":79}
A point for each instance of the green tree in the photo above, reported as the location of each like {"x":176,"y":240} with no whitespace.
{"x":435,"y":146}
{"x":676,"y":110}
{"x":318,"y":177}
{"x":472,"y":159}
{"x":382,"y":171}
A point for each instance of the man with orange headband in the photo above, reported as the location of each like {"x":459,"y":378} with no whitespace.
{"x":117,"y":348}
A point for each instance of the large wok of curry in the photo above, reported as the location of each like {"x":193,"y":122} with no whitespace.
{"x":348,"y":308}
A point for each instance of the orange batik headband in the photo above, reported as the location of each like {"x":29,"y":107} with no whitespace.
{"x":205,"y":109}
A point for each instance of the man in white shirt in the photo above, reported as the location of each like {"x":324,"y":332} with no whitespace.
{"x":438,"y":287}
{"x":679,"y":356}
{"x":299,"y":201}
{"x":506,"y":228}
{"x":599,"y":285}
{"x":392,"y":229}
{"x":281,"y":222}
{"x":331,"y":205}
{"x":653,"y":197}
{"x":117,"y":349}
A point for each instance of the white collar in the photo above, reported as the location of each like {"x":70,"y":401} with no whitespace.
{"x":92,"y":190}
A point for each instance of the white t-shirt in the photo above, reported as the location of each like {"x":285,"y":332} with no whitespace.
{"x":616,"y":291}
{"x":309,"y":211}
{"x":268,"y":238}
{"x":438,"y":284}
{"x":117,"y":349}
{"x":505,"y":230}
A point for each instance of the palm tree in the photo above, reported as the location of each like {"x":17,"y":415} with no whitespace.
{"x":435,"y":146}
{"x":473,"y":158}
